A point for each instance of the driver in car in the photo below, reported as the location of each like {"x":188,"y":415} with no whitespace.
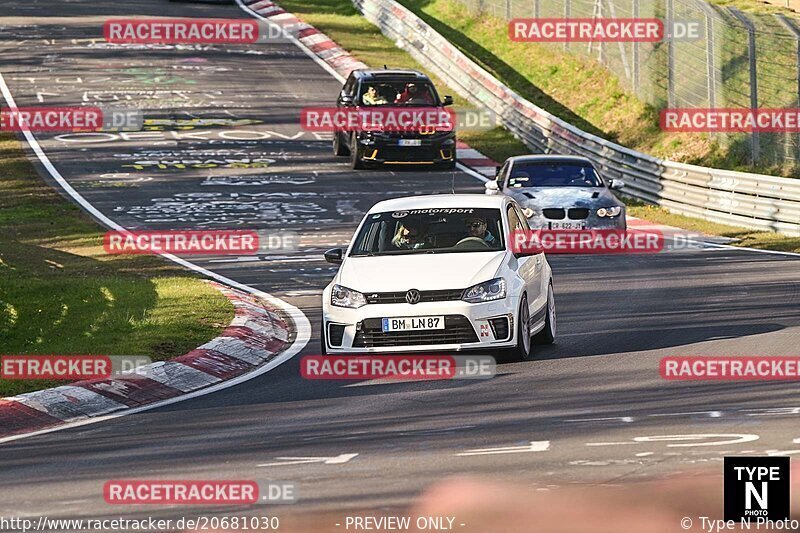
{"x":413,"y":94}
{"x":476,"y":227}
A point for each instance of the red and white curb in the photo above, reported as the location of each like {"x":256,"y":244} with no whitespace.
{"x":341,"y":63}
{"x":475,"y":160}
{"x":322,"y":46}
{"x":256,"y":336}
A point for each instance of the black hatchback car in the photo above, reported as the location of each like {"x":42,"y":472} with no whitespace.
{"x":395,"y":88}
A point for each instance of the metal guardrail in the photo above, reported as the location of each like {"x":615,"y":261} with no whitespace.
{"x":737,"y":198}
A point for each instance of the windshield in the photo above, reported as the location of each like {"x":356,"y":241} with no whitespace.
{"x":398,"y":93}
{"x":450,"y":230}
{"x":553,"y":175}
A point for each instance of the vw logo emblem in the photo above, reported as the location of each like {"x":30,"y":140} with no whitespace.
{"x":413,"y":296}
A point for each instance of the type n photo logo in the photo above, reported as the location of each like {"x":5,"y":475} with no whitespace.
{"x":757,"y":487}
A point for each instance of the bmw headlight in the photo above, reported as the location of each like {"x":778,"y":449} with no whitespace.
{"x":609,"y":211}
{"x":494,"y":289}
{"x":344,"y":297}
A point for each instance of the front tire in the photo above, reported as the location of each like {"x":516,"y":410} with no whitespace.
{"x":548,"y":334}
{"x":355,"y":155}
{"x":522,"y":352}
{"x":339,"y":148}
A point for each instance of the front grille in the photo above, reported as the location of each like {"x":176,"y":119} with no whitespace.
{"x":425,"y":296}
{"x":578,"y":213}
{"x":457,"y":330}
{"x":553,"y":213}
{"x":499,"y":328}
{"x":335,"y":334}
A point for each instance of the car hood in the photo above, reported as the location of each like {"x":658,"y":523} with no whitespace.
{"x":419,"y":271}
{"x":564,"y":197}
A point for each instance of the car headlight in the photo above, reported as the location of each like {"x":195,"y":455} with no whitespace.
{"x":609,"y":211}
{"x":494,"y":289}
{"x":344,"y":297}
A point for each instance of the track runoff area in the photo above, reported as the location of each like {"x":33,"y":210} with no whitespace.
{"x":666,"y":403}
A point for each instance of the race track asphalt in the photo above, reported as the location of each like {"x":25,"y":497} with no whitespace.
{"x":596,"y":395}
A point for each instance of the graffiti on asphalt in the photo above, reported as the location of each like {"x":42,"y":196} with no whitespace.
{"x":230,"y":210}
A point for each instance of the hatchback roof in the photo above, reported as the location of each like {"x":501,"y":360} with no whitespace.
{"x":441,"y":201}
{"x":548,"y":158}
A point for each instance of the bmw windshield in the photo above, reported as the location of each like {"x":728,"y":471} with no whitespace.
{"x":553,"y":175}
{"x":447,"y":230}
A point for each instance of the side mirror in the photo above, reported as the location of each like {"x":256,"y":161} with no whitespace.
{"x":448,"y":100}
{"x":334,"y":256}
{"x":491,"y":187}
{"x":525,"y":243}
{"x":345,"y":99}
{"x":616,"y":185}
{"x":497,"y":169}
{"x":529,"y":252}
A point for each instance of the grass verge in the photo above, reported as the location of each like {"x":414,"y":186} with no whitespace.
{"x":61,"y":294}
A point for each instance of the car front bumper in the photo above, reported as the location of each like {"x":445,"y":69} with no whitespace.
{"x":591,"y":222}
{"x":468,"y":327}
{"x":386,"y":150}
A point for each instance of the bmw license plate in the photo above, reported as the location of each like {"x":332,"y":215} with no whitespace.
{"x":567,"y":225}
{"x":412,"y":323}
{"x":409,"y":142}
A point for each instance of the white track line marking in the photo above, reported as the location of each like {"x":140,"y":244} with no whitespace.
{"x":339,"y":459}
{"x":534,"y":446}
{"x":303,"y":327}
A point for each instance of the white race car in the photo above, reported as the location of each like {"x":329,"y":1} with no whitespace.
{"x":437,"y":273}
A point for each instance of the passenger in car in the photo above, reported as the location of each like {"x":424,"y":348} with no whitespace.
{"x":371,"y":97}
{"x":411,"y":235}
